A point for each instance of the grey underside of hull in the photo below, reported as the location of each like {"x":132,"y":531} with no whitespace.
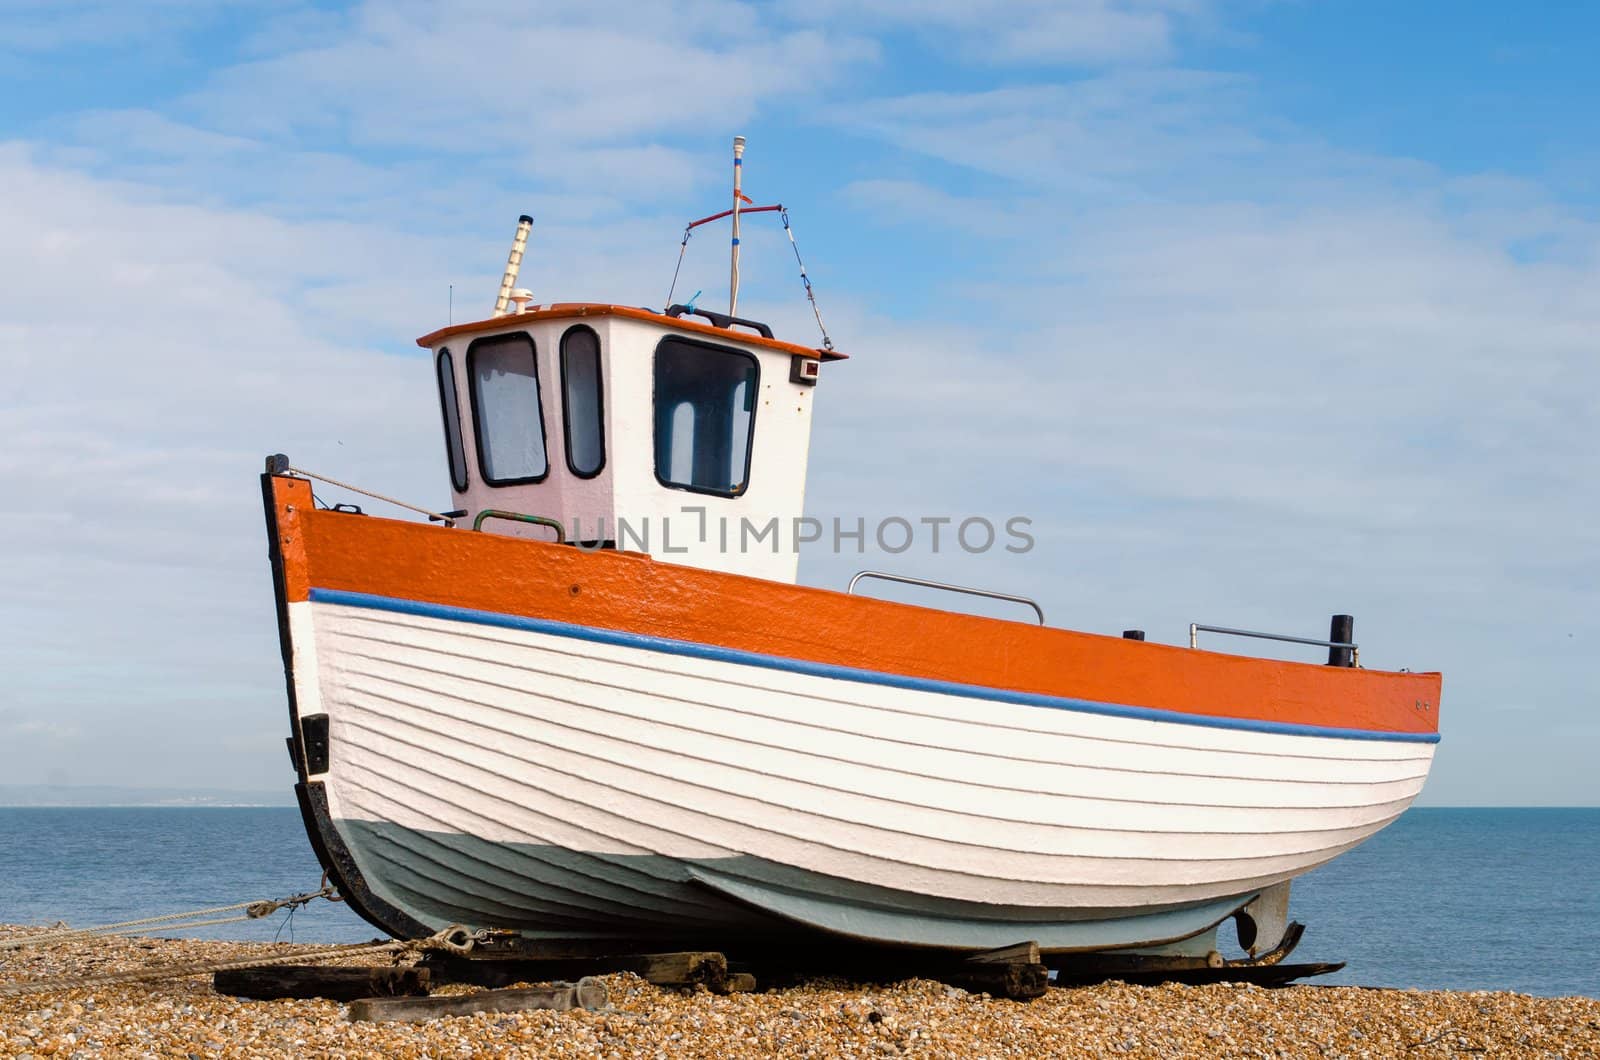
{"x":445,"y":878}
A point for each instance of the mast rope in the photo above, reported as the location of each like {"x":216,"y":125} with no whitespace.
{"x":681,"y":248}
{"x":788,"y":230}
{"x":453,"y":939}
{"x":174,"y":921}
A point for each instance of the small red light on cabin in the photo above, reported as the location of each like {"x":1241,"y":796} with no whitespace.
{"x":805,"y":370}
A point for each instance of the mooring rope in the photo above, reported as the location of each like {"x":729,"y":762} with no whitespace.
{"x":171,"y":921}
{"x":453,"y":939}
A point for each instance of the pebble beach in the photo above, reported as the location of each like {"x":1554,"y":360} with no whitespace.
{"x":184,"y":1018}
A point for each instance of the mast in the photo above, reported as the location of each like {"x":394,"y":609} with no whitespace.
{"x":733,"y":274}
{"x":513,"y":264}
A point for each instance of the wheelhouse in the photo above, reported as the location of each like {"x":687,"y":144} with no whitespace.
{"x":610,"y":427}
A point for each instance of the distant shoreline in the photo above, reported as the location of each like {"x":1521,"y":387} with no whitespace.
{"x":119,"y":796}
{"x":146,"y":806}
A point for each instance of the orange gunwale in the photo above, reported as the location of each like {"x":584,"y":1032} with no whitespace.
{"x":630,"y":593}
{"x":578,"y":310}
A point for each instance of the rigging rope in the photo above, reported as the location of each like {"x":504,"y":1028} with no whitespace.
{"x":827,"y":343}
{"x":805,"y":280}
{"x":435,"y":516}
{"x":681,"y":248}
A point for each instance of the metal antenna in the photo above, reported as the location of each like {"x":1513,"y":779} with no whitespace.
{"x":733,"y":275}
{"x":513,"y":264}
{"x":450,"y":316}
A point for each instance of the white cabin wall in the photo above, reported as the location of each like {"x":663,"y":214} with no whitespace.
{"x":562,"y":495}
{"x":778,"y":461}
{"x":627,"y":487}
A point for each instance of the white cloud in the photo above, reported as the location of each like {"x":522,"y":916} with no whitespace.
{"x":1089,"y":136}
{"x":994,"y":32}
{"x":1252,"y":389}
{"x":158,"y":352}
{"x":481,"y":79}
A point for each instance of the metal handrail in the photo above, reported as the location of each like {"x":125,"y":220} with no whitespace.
{"x":518,"y":517}
{"x":904,"y":580}
{"x":1195,"y":629}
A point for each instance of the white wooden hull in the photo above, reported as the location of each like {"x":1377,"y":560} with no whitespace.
{"x":539,"y":779}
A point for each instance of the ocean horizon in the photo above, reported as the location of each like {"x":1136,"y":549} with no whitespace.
{"x":1447,"y":898}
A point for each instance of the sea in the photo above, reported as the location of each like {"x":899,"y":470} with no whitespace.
{"x":1444,"y":899}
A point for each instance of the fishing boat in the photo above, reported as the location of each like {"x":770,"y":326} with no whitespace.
{"x":590,"y":704}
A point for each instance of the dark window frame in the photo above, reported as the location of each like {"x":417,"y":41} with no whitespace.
{"x":599,"y":397}
{"x":477,"y":418}
{"x":443,"y":365}
{"x":750,"y":434}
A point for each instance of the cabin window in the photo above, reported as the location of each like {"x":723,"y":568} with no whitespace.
{"x":583,"y":404}
{"x":505,"y":407}
{"x":705,"y":416}
{"x":448,"y":405}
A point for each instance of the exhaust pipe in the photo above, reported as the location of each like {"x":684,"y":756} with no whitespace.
{"x":513,"y":264}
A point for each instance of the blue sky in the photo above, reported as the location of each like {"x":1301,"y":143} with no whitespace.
{"x":1260,"y":311}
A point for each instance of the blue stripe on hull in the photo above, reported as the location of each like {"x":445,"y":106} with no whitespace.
{"x":692,"y":650}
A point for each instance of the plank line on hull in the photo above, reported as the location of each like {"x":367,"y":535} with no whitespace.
{"x":978,"y":798}
{"x":827,"y":802}
{"x":1396,"y":750}
{"x":876,"y":903}
{"x":437,"y":900}
{"x":770,"y":876}
{"x":473,"y":744}
{"x":634,"y":885}
{"x":644,"y":715}
{"x":1285,"y":866}
{"x":938,"y":923}
{"x":1407,"y":730}
{"x":503,"y":887}
{"x":443,"y":898}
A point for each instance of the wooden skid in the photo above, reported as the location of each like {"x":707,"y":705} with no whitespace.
{"x":335,"y":983}
{"x":1019,"y":981}
{"x":586,"y":994}
{"x":1013,"y":972}
{"x":1021,"y":953}
{"x":687,"y":968}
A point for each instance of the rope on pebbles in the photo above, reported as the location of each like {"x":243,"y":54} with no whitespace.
{"x":171,"y":921}
{"x":453,"y":939}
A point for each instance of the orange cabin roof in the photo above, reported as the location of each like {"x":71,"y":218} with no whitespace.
{"x":567,"y":310}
